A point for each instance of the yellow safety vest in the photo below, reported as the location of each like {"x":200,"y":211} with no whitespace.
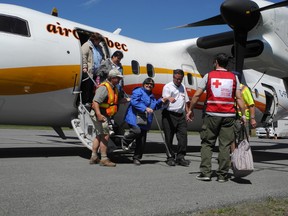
{"x":246,"y":97}
{"x":111,"y":105}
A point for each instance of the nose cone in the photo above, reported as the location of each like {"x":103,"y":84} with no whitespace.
{"x":240,"y":15}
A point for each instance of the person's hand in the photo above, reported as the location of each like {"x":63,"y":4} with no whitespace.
{"x":101,"y":118}
{"x":253,"y":122}
{"x":165,"y":100}
{"x":190,"y":116}
{"x":171,"y":99}
{"x":149,"y":110}
{"x":243,"y":119}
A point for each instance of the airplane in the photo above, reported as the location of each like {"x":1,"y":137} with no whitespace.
{"x":40,"y":67}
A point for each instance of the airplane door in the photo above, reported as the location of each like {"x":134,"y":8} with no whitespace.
{"x":271,"y":104}
{"x":189,"y":79}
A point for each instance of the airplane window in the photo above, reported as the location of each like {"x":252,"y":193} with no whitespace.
{"x":14,"y":25}
{"x":190,"y":79}
{"x":135,"y":67}
{"x":150,"y":70}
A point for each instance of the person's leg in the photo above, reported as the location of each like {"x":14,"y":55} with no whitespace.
{"x":140,"y":146}
{"x":96,"y":142}
{"x":208,"y":134}
{"x":169,"y":131}
{"x":105,"y":161}
{"x":134,"y":132}
{"x":181,"y":134}
{"x":226,"y":137}
{"x":95,"y":146}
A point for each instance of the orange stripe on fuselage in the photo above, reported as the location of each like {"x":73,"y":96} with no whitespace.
{"x":38,"y":79}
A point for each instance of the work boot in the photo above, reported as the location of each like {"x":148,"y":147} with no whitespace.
{"x":137,"y":162}
{"x":107,"y":162}
{"x":170,"y":162}
{"x":94,"y":160}
{"x":183,"y":162}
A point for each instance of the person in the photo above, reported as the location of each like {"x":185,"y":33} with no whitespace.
{"x":222,"y":87}
{"x":105,"y":106}
{"x":108,"y":64}
{"x":142,"y":101}
{"x":92,"y":56}
{"x":249,"y":113}
{"x":174,"y":119}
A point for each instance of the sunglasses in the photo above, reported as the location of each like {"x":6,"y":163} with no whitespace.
{"x":152,"y":84}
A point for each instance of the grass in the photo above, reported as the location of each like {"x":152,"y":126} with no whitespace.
{"x":269,"y":207}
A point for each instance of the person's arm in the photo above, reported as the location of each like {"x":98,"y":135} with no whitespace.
{"x":99,"y":116}
{"x":252,"y":116}
{"x":100,"y":96}
{"x":248,"y":99}
{"x":193,"y":102}
{"x":85,"y":53}
{"x":241,"y":105}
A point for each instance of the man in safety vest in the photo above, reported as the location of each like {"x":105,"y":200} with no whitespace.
{"x":105,"y":106}
{"x":222,"y":87}
{"x":249,"y":113}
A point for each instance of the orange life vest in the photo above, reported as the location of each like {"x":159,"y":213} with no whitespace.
{"x":111,"y":105}
{"x":221,"y":88}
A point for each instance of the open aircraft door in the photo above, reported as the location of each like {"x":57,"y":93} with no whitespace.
{"x":271,"y":104}
{"x":189,"y":81}
{"x":83,"y":125}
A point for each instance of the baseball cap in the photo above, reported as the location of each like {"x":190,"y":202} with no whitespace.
{"x":115,"y":73}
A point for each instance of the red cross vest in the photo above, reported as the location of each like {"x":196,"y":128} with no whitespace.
{"x":111,"y":105}
{"x":221,"y":88}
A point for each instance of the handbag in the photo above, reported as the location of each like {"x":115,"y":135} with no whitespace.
{"x":141,"y":118}
{"x":242,"y":159}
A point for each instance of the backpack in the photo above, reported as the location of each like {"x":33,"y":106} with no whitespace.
{"x":242,"y":159}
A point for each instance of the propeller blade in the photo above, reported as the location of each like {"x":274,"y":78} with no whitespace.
{"x":276,"y":5}
{"x":216,"y":20}
{"x":239,"y":50}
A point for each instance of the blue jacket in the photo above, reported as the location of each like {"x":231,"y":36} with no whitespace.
{"x":140,"y":99}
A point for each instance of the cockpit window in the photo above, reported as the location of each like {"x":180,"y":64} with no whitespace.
{"x":14,"y":25}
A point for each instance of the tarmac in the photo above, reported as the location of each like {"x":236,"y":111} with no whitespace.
{"x":41,"y":174}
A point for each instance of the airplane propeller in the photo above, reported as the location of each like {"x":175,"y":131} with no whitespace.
{"x":241,"y":16}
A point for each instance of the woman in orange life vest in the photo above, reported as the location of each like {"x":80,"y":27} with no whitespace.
{"x":105,"y":105}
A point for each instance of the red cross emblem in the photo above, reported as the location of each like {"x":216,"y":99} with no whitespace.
{"x":217,"y":83}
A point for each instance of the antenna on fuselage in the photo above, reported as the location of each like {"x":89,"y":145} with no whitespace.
{"x":54,"y":12}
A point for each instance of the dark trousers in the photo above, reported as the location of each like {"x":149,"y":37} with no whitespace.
{"x":140,"y":136}
{"x":87,"y":88}
{"x":175,"y":123}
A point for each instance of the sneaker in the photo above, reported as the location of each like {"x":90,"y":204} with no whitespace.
{"x":107,"y":162}
{"x":202,"y":177}
{"x":183,"y":162}
{"x":222,"y":179}
{"x":170,"y":162}
{"x":137,"y":162}
{"x":94,"y":160}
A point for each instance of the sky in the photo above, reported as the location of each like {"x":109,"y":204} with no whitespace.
{"x":146,"y":20}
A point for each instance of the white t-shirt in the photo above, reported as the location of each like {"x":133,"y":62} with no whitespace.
{"x":180,"y":95}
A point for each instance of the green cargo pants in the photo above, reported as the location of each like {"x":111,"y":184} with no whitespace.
{"x":216,"y":127}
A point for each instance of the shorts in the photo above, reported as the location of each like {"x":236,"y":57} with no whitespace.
{"x":101,"y":128}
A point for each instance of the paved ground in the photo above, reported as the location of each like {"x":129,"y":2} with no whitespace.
{"x":41,"y":174}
